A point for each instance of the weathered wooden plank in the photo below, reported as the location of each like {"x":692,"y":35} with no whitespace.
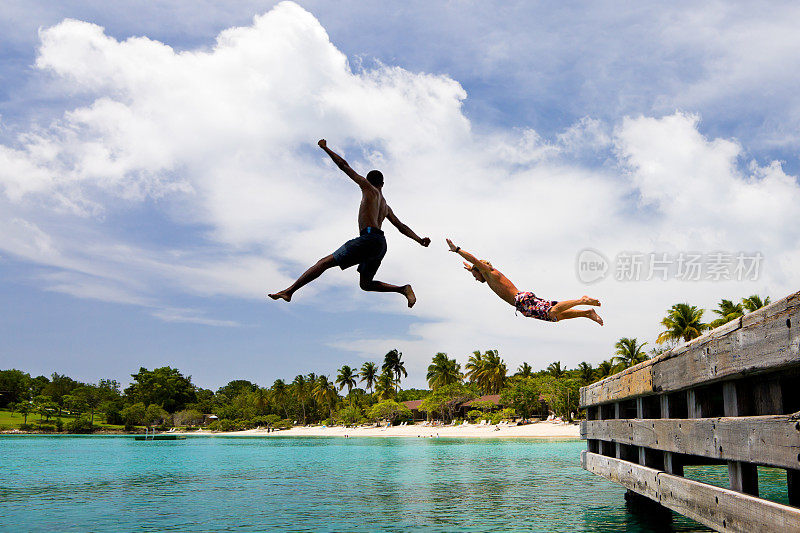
{"x":764,"y":440}
{"x":742,"y":477}
{"x":718,"y":508}
{"x":758,"y":342}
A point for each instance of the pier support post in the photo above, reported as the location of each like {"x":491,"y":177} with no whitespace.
{"x":672,"y":464}
{"x":742,"y":477}
{"x":793,"y":487}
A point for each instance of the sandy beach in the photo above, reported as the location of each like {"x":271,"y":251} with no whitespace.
{"x":542,"y":430}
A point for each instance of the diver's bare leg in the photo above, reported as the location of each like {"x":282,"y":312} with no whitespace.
{"x":371,"y":285}
{"x":566,"y":304}
{"x":307,"y":277}
{"x":576,"y":313}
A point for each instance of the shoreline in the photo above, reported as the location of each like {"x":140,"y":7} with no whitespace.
{"x":536,"y":430}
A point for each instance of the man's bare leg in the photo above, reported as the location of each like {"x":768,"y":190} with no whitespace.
{"x":576,"y":313}
{"x":371,"y":285}
{"x":308,"y":276}
{"x":566,"y":304}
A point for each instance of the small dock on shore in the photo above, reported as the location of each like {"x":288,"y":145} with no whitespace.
{"x":730,"y":397}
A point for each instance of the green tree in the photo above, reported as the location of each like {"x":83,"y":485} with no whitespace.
{"x":555,"y":370}
{"x":300,"y":393}
{"x":60,"y":386}
{"x":586,"y":372}
{"x":393,"y":363}
{"x":280,"y":395}
{"x":236,"y":387}
{"x":524,"y":370}
{"x":522,"y":394}
{"x":751,"y":303}
{"x":474,"y":368}
{"x":163,"y":386}
{"x":368,"y":375}
{"x":487,"y":371}
{"x":446,"y":399}
{"x":683,"y":322}
{"x":385,"y":386}
{"x":494,"y":372}
{"x":325,"y":393}
{"x":629,"y":352}
{"x":24,"y":409}
{"x":14,"y":386}
{"x":155,"y":415}
{"x":727,"y":311}
{"x":134,"y":415}
{"x":346,"y":378}
{"x":443,"y":371}
{"x":604,"y":369}
{"x":389,"y":410}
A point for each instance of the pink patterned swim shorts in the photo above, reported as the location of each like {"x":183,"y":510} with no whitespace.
{"x":531,"y":306}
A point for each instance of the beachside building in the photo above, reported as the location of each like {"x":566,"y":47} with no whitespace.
{"x":413,"y":406}
{"x":466,"y":407}
{"x":208,"y":418}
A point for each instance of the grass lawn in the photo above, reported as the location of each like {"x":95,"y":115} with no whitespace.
{"x":9,"y":421}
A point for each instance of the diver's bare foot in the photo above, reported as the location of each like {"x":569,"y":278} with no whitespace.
{"x":283,"y":295}
{"x":409,"y":292}
{"x":594,"y":316}
{"x":587,"y":300}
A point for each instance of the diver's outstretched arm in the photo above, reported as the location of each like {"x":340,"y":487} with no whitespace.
{"x":480,"y":265}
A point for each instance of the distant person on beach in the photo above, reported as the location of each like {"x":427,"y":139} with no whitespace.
{"x":526,"y":303}
{"x":366,"y":250}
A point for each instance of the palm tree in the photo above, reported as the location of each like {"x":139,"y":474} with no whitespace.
{"x":261,"y":400}
{"x":586,"y":372}
{"x":683,"y":322}
{"x":629,"y":352}
{"x":555,"y":370}
{"x":604,"y":369}
{"x":346,"y":378}
{"x":727,"y":311}
{"x":474,"y":367}
{"x":525,"y":370}
{"x":751,"y":303}
{"x":494,"y":372}
{"x":393,"y":363}
{"x":369,"y":371}
{"x":280,"y":394}
{"x":443,"y":371}
{"x":300,"y":392}
{"x":325,"y":392}
{"x":384,"y":386}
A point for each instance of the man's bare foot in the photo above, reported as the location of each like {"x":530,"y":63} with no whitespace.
{"x":409,"y":292}
{"x":594,"y":316}
{"x":283,"y":295}
{"x":587,"y":300}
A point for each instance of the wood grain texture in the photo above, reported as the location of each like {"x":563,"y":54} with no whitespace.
{"x":718,"y":508}
{"x":765,"y":340}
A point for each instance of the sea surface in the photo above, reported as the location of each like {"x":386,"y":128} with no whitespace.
{"x":94,"y":483}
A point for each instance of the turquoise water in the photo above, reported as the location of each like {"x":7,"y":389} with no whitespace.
{"x":307,"y":484}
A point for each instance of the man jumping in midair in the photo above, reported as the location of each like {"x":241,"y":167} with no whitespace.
{"x":526,"y":303}
{"x":368,"y":249}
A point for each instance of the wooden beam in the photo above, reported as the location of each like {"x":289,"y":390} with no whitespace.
{"x":742,"y":477}
{"x":758,"y":342}
{"x":672,"y":464}
{"x":718,"y":508}
{"x":763,"y":440}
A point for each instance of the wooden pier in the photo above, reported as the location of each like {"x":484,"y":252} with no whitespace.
{"x":730,"y":397}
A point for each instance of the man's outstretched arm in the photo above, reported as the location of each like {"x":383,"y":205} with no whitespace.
{"x":480,"y":265}
{"x":343,"y":165}
{"x":405,"y":230}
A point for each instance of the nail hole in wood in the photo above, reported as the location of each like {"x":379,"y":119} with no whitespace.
{"x":788,"y":322}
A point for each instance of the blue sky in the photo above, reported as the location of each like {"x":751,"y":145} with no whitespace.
{"x":158,"y":174}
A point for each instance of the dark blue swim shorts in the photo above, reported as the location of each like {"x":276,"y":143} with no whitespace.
{"x":366,"y":251}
